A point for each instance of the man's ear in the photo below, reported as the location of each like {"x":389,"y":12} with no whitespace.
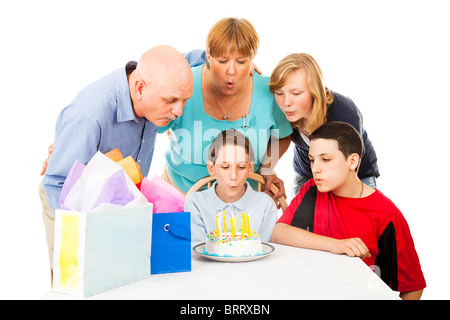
{"x":210,"y":166}
{"x":252,"y":166}
{"x":139,"y":86}
{"x":354,"y":161}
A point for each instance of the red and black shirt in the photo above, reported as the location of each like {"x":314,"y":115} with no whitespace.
{"x":374,"y":219}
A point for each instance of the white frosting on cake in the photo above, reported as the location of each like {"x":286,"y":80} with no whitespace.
{"x":227,"y":246}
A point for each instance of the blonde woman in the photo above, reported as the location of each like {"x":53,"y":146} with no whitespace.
{"x":225,"y":97}
{"x":297,"y":85}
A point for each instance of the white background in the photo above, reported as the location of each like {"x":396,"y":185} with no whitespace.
{"x":390,"y":57}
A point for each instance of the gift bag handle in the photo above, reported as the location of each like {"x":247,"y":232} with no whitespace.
{"x":178,"y":231}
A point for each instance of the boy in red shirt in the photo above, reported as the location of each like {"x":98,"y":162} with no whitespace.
{"x":338,"y":213}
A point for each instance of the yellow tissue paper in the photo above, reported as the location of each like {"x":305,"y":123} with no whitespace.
{"x":128,"y":164}
{"x":131,"y":168}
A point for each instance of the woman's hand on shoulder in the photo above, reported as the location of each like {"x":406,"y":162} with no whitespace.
{"x":254,"y":69}
{"x":278,"y":183}
{"x":45,"y":164}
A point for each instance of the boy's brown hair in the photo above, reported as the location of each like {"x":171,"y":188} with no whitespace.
{"x":348,"y":139}
{"x":230,"y":137}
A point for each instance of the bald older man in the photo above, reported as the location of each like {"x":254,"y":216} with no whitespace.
{"x":122,"y":110}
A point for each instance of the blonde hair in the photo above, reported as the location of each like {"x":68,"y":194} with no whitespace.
{"x":322,"y":96}
{"x":232,"y":35}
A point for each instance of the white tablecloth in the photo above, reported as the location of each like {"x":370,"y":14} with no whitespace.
{"x":287,"y":273}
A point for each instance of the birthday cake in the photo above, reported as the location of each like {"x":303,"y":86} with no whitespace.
{"x":233,"y":243}
{"x":227,"y":245}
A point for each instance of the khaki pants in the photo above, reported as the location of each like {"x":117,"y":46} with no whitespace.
{"x":49,"y":224}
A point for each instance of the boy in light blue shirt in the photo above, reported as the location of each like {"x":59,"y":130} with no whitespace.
{"x":231,"y":161}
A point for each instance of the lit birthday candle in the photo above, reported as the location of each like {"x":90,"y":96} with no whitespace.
{"x":243,"y":227}
{"x":233,"y":223}
{"x":224,"y":221}
{"x":249,"y":230}
{"x":217,"y":225}
{"x":232,"y":227}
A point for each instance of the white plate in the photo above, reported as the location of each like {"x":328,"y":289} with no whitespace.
{"x":268,"y":249}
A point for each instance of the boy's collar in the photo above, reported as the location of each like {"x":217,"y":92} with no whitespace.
{"x":240,"y":204}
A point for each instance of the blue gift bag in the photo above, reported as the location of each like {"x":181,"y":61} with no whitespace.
{"x":171,"y":242}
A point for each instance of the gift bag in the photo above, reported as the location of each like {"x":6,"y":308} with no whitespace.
{"x":171,"y":242}
{"x":98,"y":251}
